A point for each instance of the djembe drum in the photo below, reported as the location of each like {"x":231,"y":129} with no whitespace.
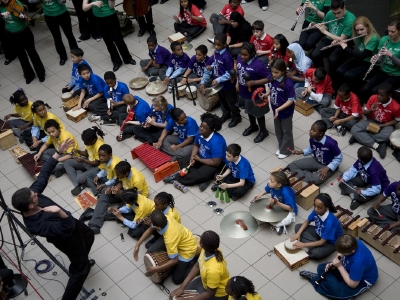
{"x":157,"y":259}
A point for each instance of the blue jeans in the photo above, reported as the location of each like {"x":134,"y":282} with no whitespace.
{"x":334,"y":287}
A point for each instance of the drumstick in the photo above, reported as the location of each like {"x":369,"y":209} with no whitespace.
{"x":379,"y":214}
{"x":223,"y":169}
{"x":340,"y":179}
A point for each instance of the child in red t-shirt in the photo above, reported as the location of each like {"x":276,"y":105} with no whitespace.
{"x":317,"y":88}
{"x":278,"y":49}
{"x":262,"y":41}
{"x":220,"y":22}
{"x":380,"y":109}
{"x":346,"y":113}
{"x":190,"y":21}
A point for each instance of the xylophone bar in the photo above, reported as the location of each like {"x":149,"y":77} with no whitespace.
{"x":394,"y":233}
{"x":304,"y":187}
{"x":29,"y":164}
{"x":345,"y":226}
{"x":376,"y":236}
{"x":297,"y":181}
{"x":368,"y":226}
{"x":343,"y":211}
{"x":292,"y":175}
{"x":395,"y":251}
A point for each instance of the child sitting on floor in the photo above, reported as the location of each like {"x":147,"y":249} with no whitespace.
{"x":239,"y":178}
{"x":178,"y":62}
{"x":221,"y":21}
{"x":189,"y":21}
{"x":157,"y":65}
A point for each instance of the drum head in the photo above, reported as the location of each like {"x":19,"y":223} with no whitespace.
{"x":156,"y":88}
{"x":148,"y":263}
{"x":66,"y":96}
{"x":182,"y":87}
{"x":192,"y":88}
{"x":395,"y":138}
{"x":138,"y":83}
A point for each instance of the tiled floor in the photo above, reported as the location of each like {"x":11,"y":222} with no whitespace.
{"x":116,"y":273}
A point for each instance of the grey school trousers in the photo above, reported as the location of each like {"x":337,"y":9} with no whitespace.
{"x":284,"y":134}
{"x":308,"y":167}
{"x":182,"y":155}
{"x":388,"y":216}
{"x":153,"y":71}
{"x":359,"y":131}
{"x":76,"y":171}
{"x":355,"y":182}
{"x":218,"y":28}
{"x":329,"y":112}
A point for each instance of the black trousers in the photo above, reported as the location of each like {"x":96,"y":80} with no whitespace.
{"x":146,"y":21}
{"x":228,"y":100}
{"x":151,"y":134}
{"x":199,"y":173}
{"x":6,"y":44}
{"x":98,"y":106}
{"x":87,"y":23}
{"x":54,"y":24}
{"x":113,"y":38}
{"x":201,"y":4}
{"x":77,"y":248}
{"x":191,"y":30}
{"x":116,"y":112}
{"x":335,"y":55}
{"x":240,"y":191}
{"x":28,"y":137}
{"x":351,"y":72}
{"x":372,"y":86}
{"x":308,"y":39}
{"x":24,"y":44}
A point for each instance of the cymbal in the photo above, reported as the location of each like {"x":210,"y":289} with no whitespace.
{"x":212,"y":90}
{"x":187,"y":46}
{"x":238,"y":224}
{"x":258,"y":209}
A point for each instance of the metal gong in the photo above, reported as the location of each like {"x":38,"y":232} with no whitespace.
{"x":260,"y":210}
{"x":212,"y":90}
{"x":238,"y":224}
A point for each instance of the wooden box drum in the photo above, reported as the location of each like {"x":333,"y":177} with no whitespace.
{"x":177,"y":37}
{"x":156,"y":259}
{"x":7,"y":139}
{"x":70,"y":104}
{"x":304,"y":108}
{"x":289,"y":247}
{"x":373,"y":127}
{"x":138,"y":83}
{"x":291,"y":260}
{"x":156,"y":88}
{"x":193,"y":89}
{"x":182,"y":90}
{"x":76,"y":115}
{"x":66,"y":97}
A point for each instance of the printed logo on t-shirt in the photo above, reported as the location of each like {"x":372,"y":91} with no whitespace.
{"x":274,"y":96}
{"x":396,"y":202}
{"x":335,"y":28}
{"x":363,"y":173}
{"x":203,"y":149}
{"x":234,"y":169}
{"x":89,"y":88}
{"x":319,"y":155}
{"x":345,"y":263}
{"x":180,"y":132}
{"x":319,"y":226}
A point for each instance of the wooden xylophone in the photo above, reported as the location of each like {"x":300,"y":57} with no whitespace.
{"x":157,"y":161}
{"x":7,"y":139}
{"x":17,"y":152}
{"x":70,"y":103}
{"x":350,"y":223}
{"x":85,"y":200}
{"x":386,"y":242}
{"x":30,"y":165}
{"x":305,"y":191}
{"x":4,"y":126}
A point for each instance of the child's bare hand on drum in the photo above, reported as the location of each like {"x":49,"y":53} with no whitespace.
{"x":299,"y":245}
{"x":214,"y":82}
{"x":295,"y":237}
{"x":177,"y":292}
{"x":201,"y":89}
{"x":150,"y":271}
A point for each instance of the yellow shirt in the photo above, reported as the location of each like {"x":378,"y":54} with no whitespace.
{"x":64,"y":135}
{"x":174,"y":214}
{"x":249,"y":297}
{"x":214,"y":274}
{"x":179,"y":241}
{"x":110,"y":168}
{"x":93,"y":150}
{"x":136,"y":179}
{"x":38,"y":121}
{"x":145,"y":208}
{"x":24,"y":112}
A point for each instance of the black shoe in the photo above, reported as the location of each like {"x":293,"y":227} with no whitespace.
{"x":382,"y":150}
{"x":96,"y":230}
{"x":354,"y":204}
{"x":8,"y":61}
{"x":152,"y":78}
{"x":203,"y":186}
{"x":116,"y":67}
{"x":87,"y":214}
{"x":28,"y":81}
{"x":189,"y":39}
{"x":308,"y":274}
{"x":110,"y":216}
{"x":226,"y":117}
{"x":92,"y":262}
{"x":343,"y":131}
{"x":131,"y":62}
{"x":234,"y":122}
{"x":58,"y":173}
{"x":77,"y":190}
{"x":352,"y":140}
{"x":317,"y":108}
{"x":170,"y":178}
{"x":151,"y":242}
{"x":214,"y":187}
{"x":41,"y":79}
{"x":141,"y":32}
{"x":163,"y":1}
{"x":250,"y":130}
{"x":235,"y":198}
{"x":261,"y":136}
{"x":62,"y":62}
{"x":83,"y":37}
{"x":152,"y":32}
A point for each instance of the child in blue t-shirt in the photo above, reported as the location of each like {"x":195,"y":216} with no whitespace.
{"x":239,"y":178}
{"x":351,"y":273}
{"x":77,"y":59}
{"x":282,"y":195}
{"x":179,"y":146}
{"x":321,"y":238}
{"x":92,"y":90}
{"x":196,"y":67}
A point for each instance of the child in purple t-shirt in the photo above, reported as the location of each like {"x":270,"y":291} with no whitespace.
{"x":196,"y":67}
{"x":157,"y":65}
{"x":282,"y":95}
{"x":326,"y":160}
{"x":366,"y":172}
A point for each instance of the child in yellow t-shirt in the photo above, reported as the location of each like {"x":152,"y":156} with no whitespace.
{"x":130,"y":177}
{"x":239,"y":287}
{"x":56,"y":136}
{"x":23,"y":112}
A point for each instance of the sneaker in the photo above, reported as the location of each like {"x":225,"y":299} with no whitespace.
{"x":278,"y":153}
{"x":382,"y":150}
{"x":152,"y":78}
{"x":108,"y":123}
{"x":214,"y":187}
{"x":210,"y":40}
{"x":279,"y":231}
{"x":308,"y":274}
{"x":98,"y":39}
{"x":181,"y":187}
{"x":77,"y":190}
{"x":282,"y":156}
{"x":94,"y":118}
{"x":264,"y":8}
{"x":352,"y":140}
{"x":354,"y":204}
{"x":169,"y":89}
{"x":244,"y":2}
{"x":151,"y":242}
{"x":170,"y":178}
{"x":203,"y":186}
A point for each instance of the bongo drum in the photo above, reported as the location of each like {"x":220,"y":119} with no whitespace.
{"x":208,"y":102}
{"x":373,"y":127}
{"x":181,"y":91}
{"x":157,"y":259}
{"x":193,"y":89}
{"x":66,"y":97}
{"x":289,"y":247}
{"x":138,"y":83}
{"x":395,"y":139}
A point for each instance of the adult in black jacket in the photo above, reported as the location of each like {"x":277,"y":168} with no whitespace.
{"x":45,"y":218}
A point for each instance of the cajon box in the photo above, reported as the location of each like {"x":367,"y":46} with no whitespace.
{"x":304,"y":108}
{"x":305,"y":194}
{"x":177,"y":37}
{"x":7,"y":140}
{"x":292,"y":261}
